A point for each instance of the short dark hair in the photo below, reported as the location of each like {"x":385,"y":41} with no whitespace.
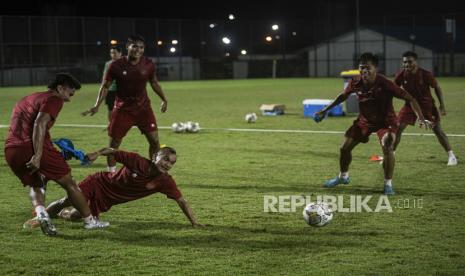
{"x":64,"y":79}
{"x":410,"y":54}
{"x":168,"y":149}
{"x":368,"y":57}
{"x":135,"y":38}
{"x":117,"y":48}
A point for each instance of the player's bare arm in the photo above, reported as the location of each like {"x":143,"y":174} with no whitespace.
{"x":38,"y":135}
{"x":104,"y":151}
{"x":440,"y":95}
{"x":339,"y":99}
{"x":102,"y":94}
{"x":157,"y":89}
{"x":186,"y":209}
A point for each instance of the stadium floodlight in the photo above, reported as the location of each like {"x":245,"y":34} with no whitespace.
{"x":231,"y":16}
{"x":159,"y":42}
{"x":243,"y":52}
{"x":227,"y":54}
{"x":212,"y":25}
{"x":174,"y":42}
{"x":294,"y":33}
{"x":172,"y":50}
{"x":268,"y":38}
{"x":277,"y":37}
{"x":275,"y":27}
{"x":113,"y":42}
{"x":226,"y":40}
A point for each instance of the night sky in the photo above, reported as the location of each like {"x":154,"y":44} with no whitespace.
{"x":272,"y":9}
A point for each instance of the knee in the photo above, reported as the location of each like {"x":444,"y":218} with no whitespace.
{"x":114,"y":143}
{"x":388,"y":143}
{"x":344,"y":150}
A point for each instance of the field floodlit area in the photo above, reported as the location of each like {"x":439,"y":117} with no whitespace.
{"x":225,"y":172}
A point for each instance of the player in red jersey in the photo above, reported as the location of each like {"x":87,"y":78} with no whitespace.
{"x":132,"y":106}
{"x":138,"y":178}
{"x":375,"y":93}
{"x":30,"y":153}
{"x":417,"y":82}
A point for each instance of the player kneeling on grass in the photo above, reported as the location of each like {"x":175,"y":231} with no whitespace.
{"x":375,"y":93}
{"x":138,"y":178}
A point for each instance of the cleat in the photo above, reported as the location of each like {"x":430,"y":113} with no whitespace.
{"x":46,"y":224}
{"x":95,"y":223}
{"x":31,"y":223}
{"x":452,"y":161}
{"x":336,"y":181}
{"x":388,"y":190}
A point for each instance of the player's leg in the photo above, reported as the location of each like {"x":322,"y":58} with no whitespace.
{"x":345,"y":158}
{"x":37,"y":196}
{"x":444,"y":141}
{"x":387,"y":143}
{"x":57,"y":206}
{"x":79,"y":202}
{"x":154,"y":143}
{"x":400,"y":130}
{"x":120,"y":123}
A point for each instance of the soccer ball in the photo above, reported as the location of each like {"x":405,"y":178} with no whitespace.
{"x":251,"y":118}
{"x":178,"y":127}
{"x":317,"y":214}
{"x":192,"y":127}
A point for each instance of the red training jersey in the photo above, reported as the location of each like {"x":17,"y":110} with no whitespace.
{"x":418,"y":85}
{"x":375,"y":102}
{"x":25,"y":113}
{"x":133,"y":181}
{"x":131,"y":81}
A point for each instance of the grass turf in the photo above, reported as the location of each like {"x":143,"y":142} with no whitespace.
{"x":224,"y":176}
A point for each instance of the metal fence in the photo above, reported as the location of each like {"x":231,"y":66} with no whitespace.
{"x":34,"y":48}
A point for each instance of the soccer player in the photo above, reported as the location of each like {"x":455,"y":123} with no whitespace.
{"x":31,"y":156}
{"x":375,"y":93}
{"x":115,"y":54}
{"x":132,"y":105}
{"x":417,"y":82}
{"x":138,"y":178}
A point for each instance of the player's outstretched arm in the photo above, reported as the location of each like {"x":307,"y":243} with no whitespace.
{"x":102,"y":94}
{"x":339,"y":99}
{"x":157,"y":89}
{"x":186,"y":209}
{"x":104,"y":151}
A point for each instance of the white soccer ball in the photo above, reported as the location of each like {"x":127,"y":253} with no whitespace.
{"x":192,"y":127}
{"x":251,"y":118}
{"x":317,"y":214}
{"x":178,"y":127}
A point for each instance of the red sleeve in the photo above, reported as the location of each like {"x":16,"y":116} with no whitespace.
{"x":132,"y":161}
{"x":170,"y":189}
{"x":110,"y":73}
{"x":350,"y":87}
{"x":431,"y":80}
{"x":395,"y":90}
{"x":52,"y":105}
{"x":399,"y":78}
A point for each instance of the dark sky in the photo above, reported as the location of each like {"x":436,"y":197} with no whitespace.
{"x":219,"y":9}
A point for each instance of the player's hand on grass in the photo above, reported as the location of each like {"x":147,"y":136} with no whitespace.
{"x":442,"y":109}
{"x":319,"y":116}
{"x":91,"y":111}
{"x":426,"y":124}
{"x":34,"y":164}
{"x":164,"y":106}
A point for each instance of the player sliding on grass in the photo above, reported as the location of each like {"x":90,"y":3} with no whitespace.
{"x":417,"y":81}
{"x":132,"y":105}
{"x":138,"y":178}
{"x":30,"y":153}
{"x":375,"y":93}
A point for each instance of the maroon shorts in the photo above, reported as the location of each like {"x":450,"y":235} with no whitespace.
{"x":361,"y":132}
{"x":90,"y":188}
{"x":52,"y":165}
{"x":408,"y":116}
{"x":121,"y":121}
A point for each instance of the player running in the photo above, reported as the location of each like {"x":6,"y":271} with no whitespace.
{"x":30,"y":153}
{"x":417,"y":82}
{"x":132,"y":105}
{"x":375,"y":93}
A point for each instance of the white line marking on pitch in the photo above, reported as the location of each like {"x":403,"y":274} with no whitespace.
{"x":252,"y":130}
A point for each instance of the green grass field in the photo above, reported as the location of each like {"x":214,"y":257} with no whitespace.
{"x":225,"y":175}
